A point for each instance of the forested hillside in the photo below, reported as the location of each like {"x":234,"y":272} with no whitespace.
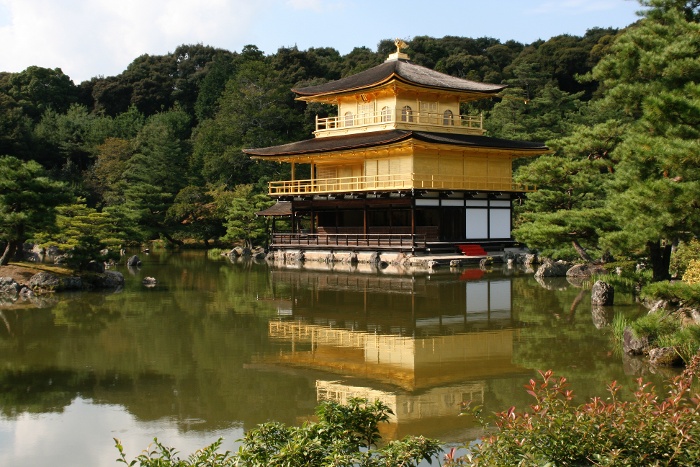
{"x":156,"y":150}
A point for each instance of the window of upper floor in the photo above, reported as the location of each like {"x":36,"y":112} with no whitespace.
{"x":406,"y":114}
{"x":448,"y":118}
{"x":349,"y":119}
{"x":386,"y":114}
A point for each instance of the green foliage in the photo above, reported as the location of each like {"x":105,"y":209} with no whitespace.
{"x":345,"y":435}
{"x":674,"y":291}
{"x":83,"y":233}
{"x":655,"y":325}
{"x":241,"y":222}
{"x":651,"y":74}
{"x":648,"y":429}
{"x":28,"y":200}
{"x":163,"y":456}
{"x":683,"y":255}
{"x":618,"y":326}
{"x":692,"y":273}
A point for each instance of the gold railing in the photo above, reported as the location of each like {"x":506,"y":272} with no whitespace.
{"x":395,"y":182}
{"x":470,"y":122}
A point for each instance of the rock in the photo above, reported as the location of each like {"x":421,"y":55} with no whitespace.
{"x":664,"y":356}
{"x":529,"y":260}
{"x":112,"y":280}
{"x":60,"y":259}
{"x":632,"y":344}
{"x":149,"y":281}
{"x":246,"y":253}
{"x":353,"y":258}
{"x":585,"y":270}
{"x":553,"y":269}
{"x":133,"y":262}
{"x":8,"y":286}
{"x":455,"y":263}
{"x":602,"y":294}
{"x":46,"y":281}
{"x":95,"y":266}
{"x":433,"y":264}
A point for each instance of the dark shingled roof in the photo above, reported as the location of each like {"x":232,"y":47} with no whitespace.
{"x":379,"y":138}
{"x":280,"y":208}
{"x":404,"y":71}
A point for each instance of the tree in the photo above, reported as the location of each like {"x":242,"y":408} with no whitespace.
{"x":242,"y":223}
{"x":653,"y":75}
{"x":38,"y":89}
{"x":28,"y":200}
{"x":195,"y":207}
{"x":84,"y":233}
{"x":567,"y":214}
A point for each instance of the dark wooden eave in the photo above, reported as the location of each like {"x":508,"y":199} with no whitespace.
{"x":381,"y":138}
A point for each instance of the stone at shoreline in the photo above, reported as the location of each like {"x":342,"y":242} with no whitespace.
{"x":8,"y":286}
{"x":602,"y":294}
{"x":664,"y":356}
{"x":634,"y":345}
{"x":133,"y":262}
{"x":585,"y":270}
{"x":48,"y":282}
{"x":553,"y":269}
{"x":149,"y":281}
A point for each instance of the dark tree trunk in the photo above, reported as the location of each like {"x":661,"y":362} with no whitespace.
{"x":10,"y":251}
{"x":172,"y":240}
{"x":660,"y":256}
{"x":581,"y":252}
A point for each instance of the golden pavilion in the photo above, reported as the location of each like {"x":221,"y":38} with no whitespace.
{"x":398,"y":168}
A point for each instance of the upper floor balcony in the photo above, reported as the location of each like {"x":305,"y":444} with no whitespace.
{"x":402,"y":119}
{"x":392,"y":182}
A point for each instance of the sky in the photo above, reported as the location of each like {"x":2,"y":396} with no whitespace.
{"x":88,"y":38}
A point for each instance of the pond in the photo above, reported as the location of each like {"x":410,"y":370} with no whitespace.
{"x":218,"y":347}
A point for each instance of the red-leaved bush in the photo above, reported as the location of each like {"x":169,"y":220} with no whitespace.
{"x":647,"y":430}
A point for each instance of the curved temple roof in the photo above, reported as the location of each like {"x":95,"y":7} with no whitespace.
{"x":379,"y":138}
{"x":402,"y":70}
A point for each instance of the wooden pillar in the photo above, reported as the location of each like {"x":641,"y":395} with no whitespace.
{"x":364,"y":219}
{"x":413,"y":224}
{"x":293,"y":170}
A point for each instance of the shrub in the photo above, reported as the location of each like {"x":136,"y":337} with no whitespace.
{"x":646,"y":430}
{"x":345,"y":435}
{"x":691,"y":275}
{"x":673,"y":291}
{"x":655,"y":325}
{"x":683,"y":256}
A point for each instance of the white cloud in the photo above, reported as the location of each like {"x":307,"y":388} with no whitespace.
{"x":82,"y":35}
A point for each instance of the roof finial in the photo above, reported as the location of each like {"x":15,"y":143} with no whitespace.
{"x":400,"y":44}
{"x":398,"y":55}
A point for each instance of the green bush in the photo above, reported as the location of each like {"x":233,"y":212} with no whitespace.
{"x":691,"y":276}
{"x":646,"y":430}
{"x":683,"y":255}
{"x":655,"y":325}
{"x":673,"y":291}
{"x":345,"y":435}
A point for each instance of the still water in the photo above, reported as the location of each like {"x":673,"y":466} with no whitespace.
{"x":218,"y":347}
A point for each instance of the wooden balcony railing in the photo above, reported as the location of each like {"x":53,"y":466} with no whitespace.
{"x":395,"y":182}
{"x":392,"y":241}
{"x":468,"y":123}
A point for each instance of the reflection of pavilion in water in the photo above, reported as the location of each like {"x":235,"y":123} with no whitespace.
{"x":422,"y":345}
